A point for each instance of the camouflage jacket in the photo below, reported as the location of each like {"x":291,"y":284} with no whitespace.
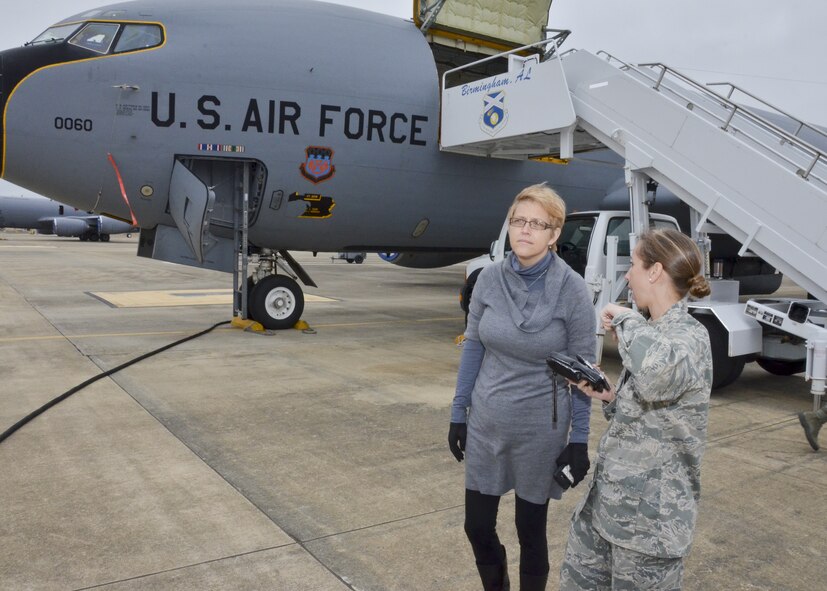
{"x":647,"y":481}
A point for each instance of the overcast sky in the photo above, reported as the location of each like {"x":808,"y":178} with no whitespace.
{"x":773,"y":49}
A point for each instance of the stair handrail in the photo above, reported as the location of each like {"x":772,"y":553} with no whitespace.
{"x":489,"y":58}
{"x":815,"y":153}
{"x":801,"y":124}
{"x":811,"y":151}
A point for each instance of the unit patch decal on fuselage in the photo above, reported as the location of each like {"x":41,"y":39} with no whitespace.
{"x":318,"y":206}
{"x":289,"y":118}
{"x":495,"y":115}
{"x":318,"y":164}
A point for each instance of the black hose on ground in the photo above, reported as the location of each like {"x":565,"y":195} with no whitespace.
{"x":100,"y":376}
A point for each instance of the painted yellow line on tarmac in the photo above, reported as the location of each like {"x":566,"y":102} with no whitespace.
{"x":379,"y":322}
{"x":178,"y":297}
{"x":24,"y":246}
{"x":60,"y":337}
{"x":222,"y":329}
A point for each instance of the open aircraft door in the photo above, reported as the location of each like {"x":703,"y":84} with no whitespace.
{"x":191,"y":203}
{"x":483,"y":26}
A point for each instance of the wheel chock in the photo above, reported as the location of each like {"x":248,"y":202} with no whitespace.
{"x":247,"y":324}
{"x":304,"y":327}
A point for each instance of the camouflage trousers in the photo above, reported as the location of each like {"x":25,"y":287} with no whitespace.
{"x":592,"y":563}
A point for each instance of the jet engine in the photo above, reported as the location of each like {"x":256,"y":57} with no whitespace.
{"x":69,"y":227}
{"x":427,"y":260}
{"x":107,"y":225}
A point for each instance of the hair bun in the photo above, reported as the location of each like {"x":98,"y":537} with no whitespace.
{"x":698,"y":286}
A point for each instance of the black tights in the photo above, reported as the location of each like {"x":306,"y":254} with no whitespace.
{"x":481,"y":529}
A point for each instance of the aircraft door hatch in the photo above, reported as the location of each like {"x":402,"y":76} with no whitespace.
{"x":190,"y":205}
{"x":204,"y":201}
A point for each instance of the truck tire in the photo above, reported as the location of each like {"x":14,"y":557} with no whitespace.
{"x":466,"y":291}
{"x":725,"y":369}
{"x":779,"y":367}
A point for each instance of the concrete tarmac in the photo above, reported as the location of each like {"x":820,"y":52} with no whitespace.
{"x":310,"y":461}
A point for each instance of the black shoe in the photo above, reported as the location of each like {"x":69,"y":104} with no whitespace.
{"x":533,"y":582}
{"x":495,"y":576}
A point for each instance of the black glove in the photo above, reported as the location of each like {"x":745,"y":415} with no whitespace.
{"x":456,"y":439}
{"x":576,"y":456}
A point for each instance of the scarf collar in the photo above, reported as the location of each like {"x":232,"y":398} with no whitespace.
{"x":516,"y":292}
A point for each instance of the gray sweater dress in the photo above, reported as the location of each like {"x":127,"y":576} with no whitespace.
{"x":512,"y":442}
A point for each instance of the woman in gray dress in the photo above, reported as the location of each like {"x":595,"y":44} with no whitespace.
{"x":634,"y":527}
{"x":508,"y":416}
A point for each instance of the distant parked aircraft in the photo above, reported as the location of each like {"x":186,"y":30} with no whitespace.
{"x":47,"y":216}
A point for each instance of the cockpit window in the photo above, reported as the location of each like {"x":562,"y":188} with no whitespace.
{"x":96,"y":36}
{"x":138,"y":37}
{"x":55,"y":34}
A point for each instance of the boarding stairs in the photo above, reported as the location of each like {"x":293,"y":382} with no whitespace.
{"x":760,"y":178}
{"x":759,"y":181}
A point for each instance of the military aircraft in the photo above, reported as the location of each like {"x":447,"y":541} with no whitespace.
{"x":235,"y":133}
{"x":33,"y":212}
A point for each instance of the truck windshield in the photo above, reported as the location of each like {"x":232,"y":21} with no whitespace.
{"x":573,"y":244}
{"x":621,"y":227}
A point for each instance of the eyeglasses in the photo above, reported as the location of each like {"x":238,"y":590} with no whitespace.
{"x":533,"y":224}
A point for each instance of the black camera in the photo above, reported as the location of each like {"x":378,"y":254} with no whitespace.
{"x":578,"y":370}
{"x":563,"y":476}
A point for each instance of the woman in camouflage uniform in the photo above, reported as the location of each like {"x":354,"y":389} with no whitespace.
{"x":634,"y":527}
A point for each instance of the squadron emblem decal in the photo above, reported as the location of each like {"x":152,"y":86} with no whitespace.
{"x":318,"y":164}
{"x":495,"y":115}
{"x":318,"y":207}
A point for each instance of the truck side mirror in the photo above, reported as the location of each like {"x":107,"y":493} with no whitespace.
{"x":492,"y":249}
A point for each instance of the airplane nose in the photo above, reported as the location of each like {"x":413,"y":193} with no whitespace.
{"x":15,"y":65}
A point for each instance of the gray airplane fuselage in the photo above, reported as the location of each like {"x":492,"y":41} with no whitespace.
{"x":337,"y":108}
{"x":52,"y":217}
{"x":24,"y":212}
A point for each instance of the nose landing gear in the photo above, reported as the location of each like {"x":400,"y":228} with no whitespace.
{"x":276,"y":302}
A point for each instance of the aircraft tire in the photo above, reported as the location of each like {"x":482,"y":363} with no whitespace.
{"x":779,"y":367}
{"x":104,"y":237}
{"x":466,"y":291}
{"x":725,"y":369}
{"x":94,"y":237}
{"x":83,"y":237}
{"x":277,"y":302}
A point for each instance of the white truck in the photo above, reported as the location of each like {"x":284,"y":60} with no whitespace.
{"x":771,"y":331}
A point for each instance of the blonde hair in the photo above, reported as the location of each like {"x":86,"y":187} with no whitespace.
{"x":680,"y":257}
{"x":545,"y":197}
